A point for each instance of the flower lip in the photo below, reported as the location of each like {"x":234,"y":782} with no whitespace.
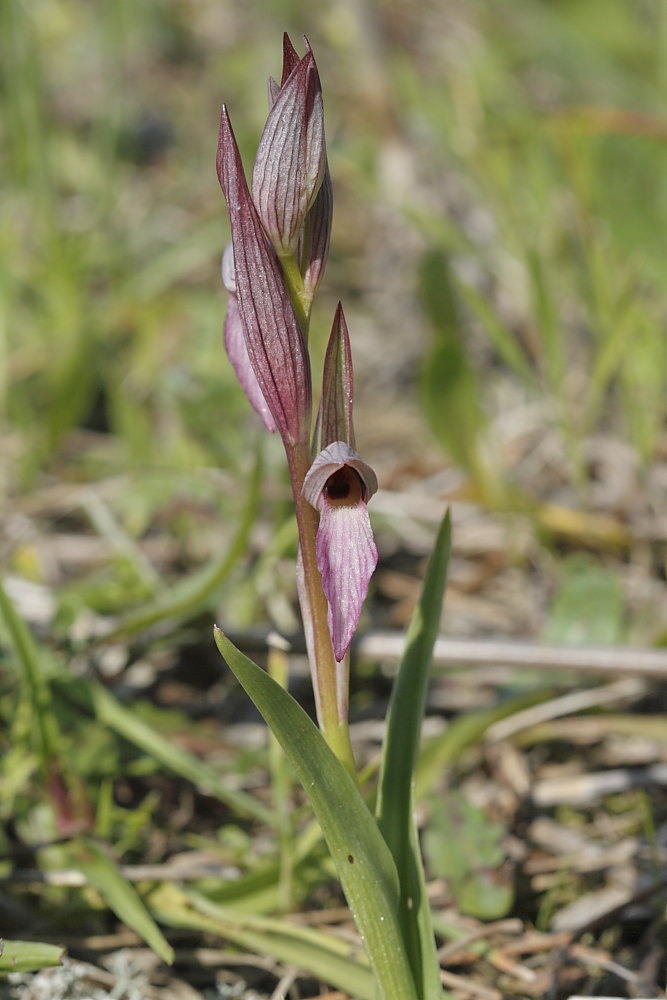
{"x":338,"y":484}
{"x":330,"y":462}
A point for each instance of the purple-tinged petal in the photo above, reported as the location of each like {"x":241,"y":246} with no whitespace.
{"x":290,"y":58}
{"x":273,"y":89}
{"x":276,"y":347}
{"x":338,"y":485}
{"x":237,"y":352}
{"x":290,"y":62}
{"x":291,"y":156}
{"x":330,"y":460}
{"x":346,"y":558}
{"x":313,"y":244}
{"x":316,"y":236}
{"x":334,"y":420}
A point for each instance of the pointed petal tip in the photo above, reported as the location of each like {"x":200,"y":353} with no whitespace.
{"x":226,"y":145}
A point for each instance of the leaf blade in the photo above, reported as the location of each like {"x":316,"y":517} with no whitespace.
{"x":363,"y":861}
{"x":329,"y":958}
{"x":395,"y":801}
{"x":120,"y":896}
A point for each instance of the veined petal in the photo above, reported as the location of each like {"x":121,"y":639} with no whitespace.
{"x":290,"y":58}
{"x":237,"y":352}
{"x":276,"y":347}
{"x":334,"y":421}
{"x":290,"y":62}
{"x":317,"y":234}
{"x":291,"y":156}
{"x":346,"y":558}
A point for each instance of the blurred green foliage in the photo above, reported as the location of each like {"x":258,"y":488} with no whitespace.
{"x":540,"y":146}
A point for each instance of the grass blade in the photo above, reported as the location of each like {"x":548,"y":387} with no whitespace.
{"x":27,"y":656}
{"x":465,"y":732}
{"x":126,"y":723}
{"x":401,"y":746}
{"x":363,"y":862}
{"x":119,"y":895}
{"x":330,"y":958}
{"x":187,"y":596}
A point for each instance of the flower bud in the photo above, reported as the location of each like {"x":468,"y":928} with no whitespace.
{"x":275,"y":344}
{"x":291,"y":156}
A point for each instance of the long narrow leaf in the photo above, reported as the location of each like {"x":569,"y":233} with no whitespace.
{"x":364,"y":864}
{"x":27,"y":655}
{"x":119,"y":895}
{"x":187,"y":596}
{"x":395,"y":812}
{"x":331,"y":959}
{"x":466,"y":731}
{"x":110,"y":712}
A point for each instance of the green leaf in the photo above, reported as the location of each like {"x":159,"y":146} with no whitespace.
{"x":188,"y":595}
{"x":395,"y":802}
{"x":363,"y":861}
{"x":504,"y":340}
{"x":124,"y":721}
{"x":331,"y":959}
{"x":120,"y":896}
{"x":464,"y":846}
{"x":466,"y":731}
{"x":588,"y":606}
{"x":27,"y":653}
{"x":28,"y":956}
{"x":449,"y":386}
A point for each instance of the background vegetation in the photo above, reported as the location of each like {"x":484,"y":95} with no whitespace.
{"x":499,"y":247}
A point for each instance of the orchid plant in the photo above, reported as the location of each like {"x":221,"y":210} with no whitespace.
{"x":280,"y":232}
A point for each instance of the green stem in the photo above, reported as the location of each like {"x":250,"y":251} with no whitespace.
{"x":330,"y":679}
{"x":300,"y":300}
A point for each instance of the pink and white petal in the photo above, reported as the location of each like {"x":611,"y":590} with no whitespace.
{"x":346,"y":558}
{"x":237,"y":352}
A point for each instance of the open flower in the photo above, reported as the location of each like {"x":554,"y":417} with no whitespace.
{"x":339,"y":484}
